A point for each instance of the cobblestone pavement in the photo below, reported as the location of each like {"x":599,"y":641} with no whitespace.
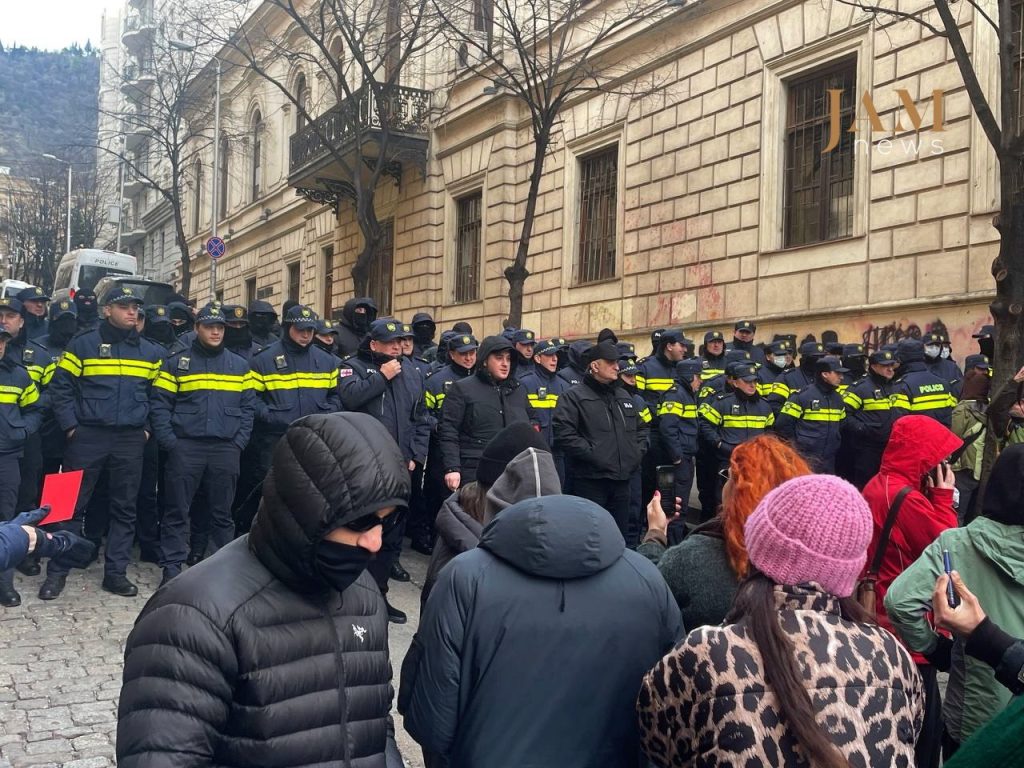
{"x":60,"y":667}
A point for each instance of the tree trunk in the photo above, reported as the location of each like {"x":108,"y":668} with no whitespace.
{"x":366,"y":215}
{"x":186,"y":261}
{"x":517,"y":273}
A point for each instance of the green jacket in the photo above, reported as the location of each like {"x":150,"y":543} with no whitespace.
{"x":990,"y":557}
{"x":968,"y":420}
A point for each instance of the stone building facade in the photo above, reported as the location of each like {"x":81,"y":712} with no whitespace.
{"x":705,"y":200}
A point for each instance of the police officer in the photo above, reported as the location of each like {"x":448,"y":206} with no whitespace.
{"x":734,"y":417}
{"x":936,"y":345}
{"x":326,"y":337}
{"x":63,"y":324}
{"x":181,"y":317}
{"x":543,"y":388}
{"x":713,"y":359}
{"x":743,"y":338}
{"x":409,"y":352}
{"x":628,"y":369}
{"x":203,"y":409}
{"x":598,"y":426}
{"x":22,"y":411}
{"x":869,"y":415}
{"x":797,"y":378}
{"x":441,"y":359}
{"x":525,"y":341}
{"x":677,"y":421}
{"x":477,"y":408}
{"x":292,"y":378}
{"x":262,"y":319}
{"x":100,"y":398}
{"x":381,"y":382}
{"x":34,"y":301}
{"x":778,"y":360}
{"x":424,"y":328}
{"x":855,"y":359}
{"x":986,"y":337}
{"x":712,"y":386}
{"x":656,"y":376}
{"x":812,"y":419}
{"x":460,"y":350}
{"x":237,"y":336}
{"x":918,"y":390}
{"x":158,"y":329}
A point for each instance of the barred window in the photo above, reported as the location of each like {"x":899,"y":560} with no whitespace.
{"x":250,"y":291}
{"x":818,"y":194}
{"x":380,"y":280}
{"x":293,"y":281}
{"x":468,"y":233}
{"x":598,"y":193}
{"x":257,"y":155}
{"x":328,"y":254}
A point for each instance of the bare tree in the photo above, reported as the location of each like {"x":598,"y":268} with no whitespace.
{"x":545,"y":54}
{"x":361,"y":50}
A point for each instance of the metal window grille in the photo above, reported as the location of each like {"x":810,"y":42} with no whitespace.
{"x":379,"y":282}
{"x":328,"y":252}
{"x":293,"y":281}
{"x":468,"y":232}
{"x":598,"y":193}
{"x":818,"y":195}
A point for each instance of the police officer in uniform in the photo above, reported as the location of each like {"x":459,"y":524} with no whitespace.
{"x":812,"y":419}
{"x":734,"y":417}
{"x":181,"y":317}
{"x":22,"y":414}
{"x":797,"y":378}
{"x":743,"y":338}
{"x":62,"y":326}
{"x":713,"y":358}
{"x":936,"y":357}
{"x":869,"y":415}
{"x":382,"y":383}
{"x":677,"y":421}
{"x":461,"y":350}
{"x":713,"y":386}
{"x":918,"y":390}
{"x":409,"y":353}
{"x":628,"y":370}
{"x":237,"y":336}
{"x":656,"y":376}
{"x":100,"y":398}
{"x":525,"y":341}
{"x":203,"y":407}
{"x":262,"y":319}
{"x":34,"y":301}
{"x":292,"y":378}
{"x":543,"y":388}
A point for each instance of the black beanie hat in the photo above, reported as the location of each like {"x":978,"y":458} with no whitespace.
{"x":505,"y":446}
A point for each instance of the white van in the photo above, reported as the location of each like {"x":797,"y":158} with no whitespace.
{"x":81,"y":269}
{"x":12,"y":288}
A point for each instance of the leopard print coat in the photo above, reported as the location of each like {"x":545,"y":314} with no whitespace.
{"x":706,"y":704}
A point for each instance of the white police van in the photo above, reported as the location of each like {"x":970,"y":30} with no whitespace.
{"x":83,"y":268}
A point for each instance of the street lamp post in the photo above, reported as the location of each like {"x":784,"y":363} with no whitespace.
{"x":68,"y":164}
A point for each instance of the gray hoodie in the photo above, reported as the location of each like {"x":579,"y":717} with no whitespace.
{"x":530,"y":474}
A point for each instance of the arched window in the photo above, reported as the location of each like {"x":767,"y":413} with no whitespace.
{"x":302,"y":100}
{"x":197,"y":196}
{"x":256,"y":133}
{"x":225,"y":162}
{"x":337,"y":69}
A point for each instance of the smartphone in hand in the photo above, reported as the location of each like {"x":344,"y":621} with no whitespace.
{"x":667,"y":488}
{"x":952,"y":598}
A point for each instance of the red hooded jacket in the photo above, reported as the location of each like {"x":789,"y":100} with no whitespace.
{"x":916,"y":445}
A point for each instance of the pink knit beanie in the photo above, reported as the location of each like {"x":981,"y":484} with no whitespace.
{"x":811,"y":528}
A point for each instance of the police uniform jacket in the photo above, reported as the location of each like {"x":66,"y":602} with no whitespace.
{"x":21,"y":406}
{"x":247,"y":352}
{"x":397,"y":404}
{"x":654,"y":379}
{"x":32,"y":356}
{"x":436,"y":388}
{"x":475,"y":410}
{"x":712,"y":365}
{"x":103,"y":379}
{"x":869,"y":413}
{"x":812,"y":418}
{"x":543,"y":389}
{"x":291,"y":382}
{"x":921,"y":392}
{"x":789,"y":382}
{"x":677,"y":422}
{"x":949,"y":372}
{"x":203,"y":394}
{"x":598,"y":427}
{"x":730,"y":419}
{"x":756,"y":353}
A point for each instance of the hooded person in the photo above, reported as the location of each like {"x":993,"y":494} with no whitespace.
{"x":262,"y":319}
{"x":970,"y":425}
{"x":181,"y":317}
{"x":88,"y":309}
{"x":988,"y":554}
{"x":477,"y":407}
{"x":357,"y":316}
{"x":423,"y":330}
{"x":283,"y":626}
{"x":576,"y":363}
{"x":159,"y":330}
{"x":517,"y":629}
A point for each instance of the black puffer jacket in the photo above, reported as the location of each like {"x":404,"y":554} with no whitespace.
{"x":250,"y":658}
{"x":476,"y":409}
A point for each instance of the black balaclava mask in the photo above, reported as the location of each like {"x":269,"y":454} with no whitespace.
{"x":341,"y":564}
{"x":423,"y":334}
{"x":87,"y":309}
{"x":261,"y":323}
{"x":62,"y":329}
{"x":361,"y":320}
{"x":987,"y":346}
{"x":161,"y":333}
{"x":324,"y":345}
{"x":237,"y":338}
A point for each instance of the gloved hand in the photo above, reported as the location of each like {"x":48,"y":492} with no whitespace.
{"x":33,"y":517}
{"x":69,"y":548}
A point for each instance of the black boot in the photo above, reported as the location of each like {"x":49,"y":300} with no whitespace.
{"x":9,"y":597}
{"x":398,"y":573}
{"x":119,"y":585}
{"x":395,"y":616}
{"x":52,"y":587}
{"x":195,"y":557}
{"x":29,"y":566}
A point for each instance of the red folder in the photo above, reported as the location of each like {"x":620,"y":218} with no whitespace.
{"x":60,"y":491}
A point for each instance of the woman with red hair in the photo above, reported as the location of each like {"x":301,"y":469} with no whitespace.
{"x":705,"y":569}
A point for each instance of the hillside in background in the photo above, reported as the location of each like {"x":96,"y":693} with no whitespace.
{"x":48,"y":103}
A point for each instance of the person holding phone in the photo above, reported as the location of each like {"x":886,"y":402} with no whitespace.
{"x":988,"y":553}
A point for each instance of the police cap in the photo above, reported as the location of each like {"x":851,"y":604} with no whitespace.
{"x":744,"y":371}
{"x":32,"y":293}
{"x":854,"y":350}
{"x":687,"y":369}
{"x":211,"y":315}
{"x":883,"y":357}
{"x":910,"y":351}
{"x":235,"y":313}
{"x":625,"y":349}
{"x":986,"y":332}
{"x":302,"y":317}
{"x":11,"y":304}
{"x":674,"y":336}
{"x":628,"y":366}
{"x":548,"y":347}
{"x":736,"y":356}
{"x":326,"y":327}
{"x":63,"y":307}
{"x":122,"y":294}
{"x":523,"y":336}
{"x":157,"y":313}
{"x":977,"y":361}
{"x":465,"y":342}
{"x":812,"y":349}
{"x":830,"y":364}
{"x":713,"y":336}
{"x":745,"y":325}
{"x":780,"y":348}
{"x":386,"y":330}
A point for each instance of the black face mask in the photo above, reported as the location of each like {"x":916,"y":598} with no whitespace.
{"x":181,"y":330}
{"x":63,"y":328}
{"x":161,"y":333}
{"x":261,"y":325}
{"x":341,"y":564}
{"x":423,"y":334}
{"x":235,"y":338}
{"x":987,"y":347}
{"x":360,"y":321}
{"x":324,"y":345}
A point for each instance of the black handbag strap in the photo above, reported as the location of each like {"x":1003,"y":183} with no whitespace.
{"x":890,"y":520}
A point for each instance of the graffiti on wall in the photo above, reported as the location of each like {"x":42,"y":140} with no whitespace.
{"x":877,"y":336}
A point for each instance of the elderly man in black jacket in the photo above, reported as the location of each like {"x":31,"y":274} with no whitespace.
{"x":477,"y":408}
{"x":275,"y":650}
{"x":598,"y":427}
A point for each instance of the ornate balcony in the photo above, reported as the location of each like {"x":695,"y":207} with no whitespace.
{"x":138,"y":29}
{"x":325,"y":154}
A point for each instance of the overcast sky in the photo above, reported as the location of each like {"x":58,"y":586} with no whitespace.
{"x":51,"y":24}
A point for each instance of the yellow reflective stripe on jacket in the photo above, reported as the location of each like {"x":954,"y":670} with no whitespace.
{"x":35,"y":372}
{"x":645,"y":415}
{"x":791,"y":408}
{"x":924,"y":402}
{"x":548,"y":401}
{"x":96,"y":366}
{"x":166,"y":381}
{"x":706,"y":392}
{"x":48,"y":373}
{"x":748,"y":421}
{"x":781,"y":389}
{"x":269,"y":382}
{"x":675,"y":408}
{"x":825,"y":414}
{"x":28,"y":396}
{"x":221,"y":382}
{"x":710,"y":414}
{"x":853,"y":400}
{"x":430,"y":400}
{"x":765,"y":388}
{"x":70,"y":363}
{"x":873,"y":404}
{"x":654,"y":385}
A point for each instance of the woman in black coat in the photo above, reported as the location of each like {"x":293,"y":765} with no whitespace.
{"x":275,"y":650}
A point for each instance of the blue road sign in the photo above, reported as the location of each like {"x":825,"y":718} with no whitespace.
{"x":216,"y":247}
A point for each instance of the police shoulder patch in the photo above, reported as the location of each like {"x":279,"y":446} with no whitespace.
{"x":28,"y":355}
{"x":184,"y":363}
{"x":280,"y":362}
{"x":104,"y":350}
